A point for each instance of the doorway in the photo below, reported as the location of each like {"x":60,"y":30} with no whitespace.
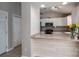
{"x":3,"y":31}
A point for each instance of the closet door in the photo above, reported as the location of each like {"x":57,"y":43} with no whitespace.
{"x":16,"y":31}
{"x":3,"y":34}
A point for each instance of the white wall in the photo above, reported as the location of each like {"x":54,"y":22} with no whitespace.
{"x":26,"y":32}
{"x":75,"y":15}
{"x":55,"y":21}
{"x":35,"y":20}
{"x":30,"y":26}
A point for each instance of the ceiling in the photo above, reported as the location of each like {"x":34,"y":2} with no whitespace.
{"x":63,"y":9}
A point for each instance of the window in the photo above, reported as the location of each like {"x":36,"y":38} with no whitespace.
{"x":69,"y":20}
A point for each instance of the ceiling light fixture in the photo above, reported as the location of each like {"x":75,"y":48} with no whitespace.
{"x":64,"y":3}
{"x":42,"y":6}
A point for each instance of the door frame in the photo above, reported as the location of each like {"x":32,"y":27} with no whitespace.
{"x":6,"y":30}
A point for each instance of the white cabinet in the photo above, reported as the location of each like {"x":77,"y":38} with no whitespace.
{"x":55,"y":21}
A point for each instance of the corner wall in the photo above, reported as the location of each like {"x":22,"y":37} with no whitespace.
{"x":35,"y":20}
{"x":26,"y":29}
{"x":30,"y":26}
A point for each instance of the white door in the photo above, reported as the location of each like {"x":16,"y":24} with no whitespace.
{"x":16,"y":31}
{"x":3,"y":32}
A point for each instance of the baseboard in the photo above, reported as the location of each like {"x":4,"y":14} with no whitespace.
{"x":10,"y":49}
{"x":16,"y":44}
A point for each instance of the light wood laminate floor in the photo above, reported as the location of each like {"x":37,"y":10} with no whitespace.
{"x":16,"y":52}
{"x":55,"y":45}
